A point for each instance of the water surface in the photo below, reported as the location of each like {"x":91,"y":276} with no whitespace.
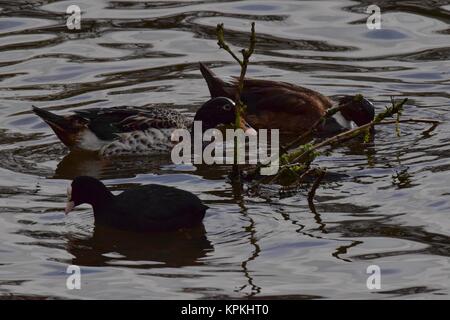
{"x":385,"y":203}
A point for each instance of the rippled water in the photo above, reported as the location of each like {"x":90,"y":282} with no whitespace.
{"x":387,"y":203}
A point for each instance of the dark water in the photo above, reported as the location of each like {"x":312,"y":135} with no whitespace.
{"x":389,"y":205}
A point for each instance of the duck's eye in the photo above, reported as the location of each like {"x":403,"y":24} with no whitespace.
{"x":226,"y":107}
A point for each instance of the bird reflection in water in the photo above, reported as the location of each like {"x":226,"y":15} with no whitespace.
{"x":77,"y":163}
{"x":140,"y":250}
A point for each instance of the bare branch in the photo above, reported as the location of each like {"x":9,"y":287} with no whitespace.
{"x":246,"y":54}
{"x":222,"y":44}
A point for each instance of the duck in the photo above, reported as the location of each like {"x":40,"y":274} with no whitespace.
{"x":146,"y":208}
{"x":130,"y":130}
{"x":290,"y":108}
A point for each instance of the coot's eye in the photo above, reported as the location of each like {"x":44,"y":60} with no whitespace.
{"x":226,"y":107}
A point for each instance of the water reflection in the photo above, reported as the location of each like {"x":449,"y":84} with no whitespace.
{"x":109,"y":247}
{"x":435,"y":244}
{"x":77,"y":163}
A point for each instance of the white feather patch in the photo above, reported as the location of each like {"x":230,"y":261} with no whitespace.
{"x":89,"y":141}
{"x":344,"y":122}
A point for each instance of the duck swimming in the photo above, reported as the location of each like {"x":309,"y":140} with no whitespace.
{"x":128,"y":130}
{"x":290,"y":108}
{"x":145,"y":208}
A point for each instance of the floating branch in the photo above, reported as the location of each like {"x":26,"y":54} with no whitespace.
{"x":302,"y":156}
{"x":330,"y":112}
{"x":389,"y":112}
{"x":296,"y":157}
{"x":433,"y":122}
{"x":285,"y":149}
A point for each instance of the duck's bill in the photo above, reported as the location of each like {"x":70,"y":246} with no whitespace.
{"x":248,"y":130}
{"x":69,"y":206}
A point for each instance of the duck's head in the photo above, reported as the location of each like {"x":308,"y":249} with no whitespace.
{"x":84,"y":189}
{"x":220,"y":111}
{"x":357,"y":109}
{"x":69,"y":129}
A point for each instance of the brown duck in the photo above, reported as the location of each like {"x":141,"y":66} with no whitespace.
{"x":290,"y":108}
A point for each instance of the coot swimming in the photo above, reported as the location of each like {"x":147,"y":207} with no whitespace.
{"x":145,"y":208}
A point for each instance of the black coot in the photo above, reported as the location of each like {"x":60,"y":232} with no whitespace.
{"x":145,"y":208}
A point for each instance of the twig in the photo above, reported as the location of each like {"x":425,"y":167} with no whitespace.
{"x":414,"y":120}
{"x":356,"y":131}
{"x":343,"y":136}
{"x":313,"y":190}
{"x":284,"y":149}
{"x":246,"y":54}
{"x":222,"y":44}
{"x":390,"y":111}
{"x":397,"y":120}
{"x":330,"y":112}
{"x":299,"y":156}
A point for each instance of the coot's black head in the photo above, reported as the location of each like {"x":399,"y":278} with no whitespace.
{"x":220,"y":111}
{"x":88,"y":190}
{"x":358,"y":109}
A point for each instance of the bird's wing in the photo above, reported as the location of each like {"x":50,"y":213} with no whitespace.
{"x":107,"y":123}
{"x":156,"y":203}
{"x":282,"y":97}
